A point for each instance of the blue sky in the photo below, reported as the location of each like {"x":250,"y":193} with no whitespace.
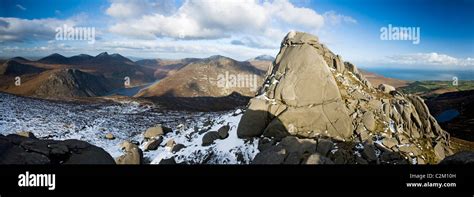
{"x":242,"y":29}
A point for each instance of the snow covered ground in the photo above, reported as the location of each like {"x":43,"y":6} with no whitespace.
{"x":127,"y":120}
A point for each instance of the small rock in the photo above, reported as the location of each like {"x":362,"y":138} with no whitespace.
{"x":264,"y":143}
{"x":386,"y":88}
{"x":132,"y":154}
{"x":360,"y":160}
{"x":153,"y":132}
{"x":168,"y":161}
{"x":392,"y":158}
{"x":364,"y":135}
{"x":153,"y":144}
{"x":170,"y":143}
{"x":439,"y":151}
{"x":369,"y":121}
{"x":410,"y":149}
{"x":420,"y":160}
{"x":109,"y":136}
{"x":316,"y":158}
{"x":272,"y":155}
{"x":402,"y":139}
{"x":209,"y":138}
{"x":26,"y":134}
{"x":389,"y":142}
{"x":324,"y":146}
{"x":156,"y":131}
{"x":177,"y":148}
{"x":292,"y":158}
{"x":369,"y":152}
{"x":223,"y":131}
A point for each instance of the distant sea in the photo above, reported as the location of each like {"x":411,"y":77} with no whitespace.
{"x":422,"y":74}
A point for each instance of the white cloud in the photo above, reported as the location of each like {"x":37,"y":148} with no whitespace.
{"x":433,"y":58}
{"x":333,"y":18}
{"x":183,"y":48}
{"x":215,"y":19}
{"x":20,"y":7}
{"x":133,"y":9}
{"x":15,"y":29}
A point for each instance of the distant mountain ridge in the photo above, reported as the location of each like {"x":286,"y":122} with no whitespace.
{"x":199,"y":78}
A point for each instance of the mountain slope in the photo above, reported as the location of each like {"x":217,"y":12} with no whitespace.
{"x":202,"y":78}
{"x":376,"y":79}
{"x":164,"y":68}
{"x":455,"y":112}
{"x":15,"y":68}
{"x":63,"y":83}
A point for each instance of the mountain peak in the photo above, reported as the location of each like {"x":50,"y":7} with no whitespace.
{"x":103,"y":54}
{"x":55,"y":55}
{"x":217,"y":57}
{"x":54,"y":58}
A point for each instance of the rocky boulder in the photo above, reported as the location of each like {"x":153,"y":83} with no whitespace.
{"x":299,"y":97}
{"x":310,"y":92}
{"x":132,"y":154}
{"x":26,"y":134}
{"x":153,"y":144}
{"x":16,"y":149}
{"x":209,"y":138}
{"x":156,"y":131}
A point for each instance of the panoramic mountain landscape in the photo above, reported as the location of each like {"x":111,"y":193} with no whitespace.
{"x":197,"y":95}
{"x":306,"y":106}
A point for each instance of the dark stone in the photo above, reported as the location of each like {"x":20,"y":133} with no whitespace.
{"x":317,"y":158}
{"x":324,"y":146}
{"x":273,"y":155}
{"x":342,"y":156}
{"x":464,"y":157}
{"x":177,"y":148}
{"x":265,"y":143}
{"x":294,"y":144}
{"x":209,"y":138}
{"x":293,"y":158}
{"x":392,"y":158}
{"x":360,"y":160}
{"x":369,"y":152}
{"x":168,"y":161}
{"x":223,"y":131}
{"x":16,"y":149}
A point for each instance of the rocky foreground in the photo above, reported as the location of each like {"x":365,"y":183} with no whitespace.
{"x":130,"y":131}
